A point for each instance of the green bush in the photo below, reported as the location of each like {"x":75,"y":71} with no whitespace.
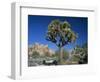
{"x":35,"y":54}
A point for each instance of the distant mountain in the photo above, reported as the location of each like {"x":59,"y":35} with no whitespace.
{"x":41,"y":49}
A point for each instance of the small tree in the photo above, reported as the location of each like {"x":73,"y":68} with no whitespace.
{"x":81,"y":54}
{"x":61,"y":34}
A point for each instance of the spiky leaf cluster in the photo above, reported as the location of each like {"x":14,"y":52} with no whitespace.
{"x":60,"y":33}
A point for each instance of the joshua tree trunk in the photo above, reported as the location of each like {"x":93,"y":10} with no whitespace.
{"x":60,"y":55}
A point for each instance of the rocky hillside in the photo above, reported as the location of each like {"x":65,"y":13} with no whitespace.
{"x":41,"y":49}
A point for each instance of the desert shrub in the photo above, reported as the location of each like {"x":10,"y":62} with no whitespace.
{"x":81,"y":54}
{"x":35,"y":54}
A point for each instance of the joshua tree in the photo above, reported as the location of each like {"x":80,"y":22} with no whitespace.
{"x":61,"y":34}
{"x":81,"y":53}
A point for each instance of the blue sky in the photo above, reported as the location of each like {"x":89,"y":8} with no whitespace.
{"x":38,"y":25}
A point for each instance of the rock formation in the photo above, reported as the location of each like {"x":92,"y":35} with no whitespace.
{"x":41,"y":49}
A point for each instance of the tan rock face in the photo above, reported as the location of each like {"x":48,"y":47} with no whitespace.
{"x":41,"y":49}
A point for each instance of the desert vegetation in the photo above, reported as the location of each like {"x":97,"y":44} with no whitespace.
{"x":60,"y":34}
